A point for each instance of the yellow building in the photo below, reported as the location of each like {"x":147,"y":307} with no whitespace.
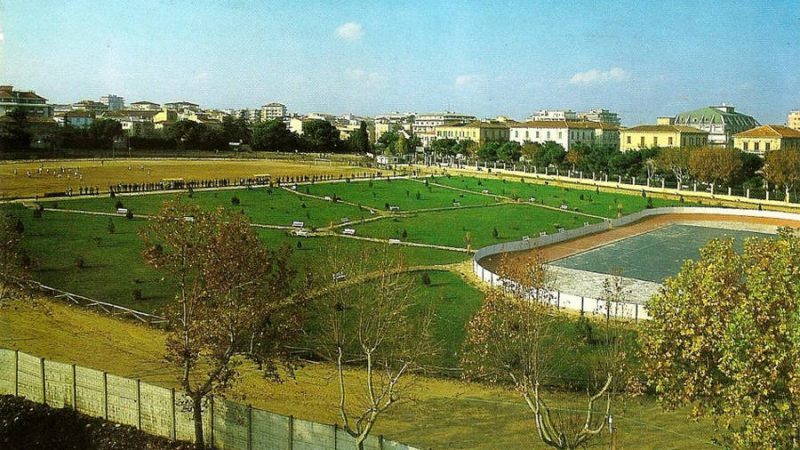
{"x":662,"y":135}
{"x":475,"y":131}
{"x":767,"y":137}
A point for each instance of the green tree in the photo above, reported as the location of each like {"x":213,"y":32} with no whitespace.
{"x":14,"y":261}
{"x":714,"y":165}
{"x":509,"y":151}
{"x":235,"y":129}
{"x":321,"y":137}
{"x":782,"y":168}
{"x":724,"y":337}
{"x":272,"y":135}
{"x":676,"y":161}
{"x":14,"y":132}
{"x":488,"y":151}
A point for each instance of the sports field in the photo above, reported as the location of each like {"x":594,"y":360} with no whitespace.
{"x":655,"y":255}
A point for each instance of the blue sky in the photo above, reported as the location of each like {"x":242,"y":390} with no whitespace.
{"x":642,"y":59}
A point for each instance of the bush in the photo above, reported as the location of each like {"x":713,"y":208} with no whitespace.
{"x":299,"y":245}
{"x":581,"y":197}
{"x":191,"y":192}
{"x":419,"y":196}
{"x":110,"y":227}
{"x":119,"y":204}
{"x":112,"y":194}
{"x":495,"y":233}
{"x":404,"y":234}
{"x":235,"y":201}
{"x":80,"y":263}
{"x":426,"y":279}
{"x":137,"y":295}
{"x":129,"y":215}
{"x":584,"y":330}
{"x":649,"y":203}
{"x":303,"y":205}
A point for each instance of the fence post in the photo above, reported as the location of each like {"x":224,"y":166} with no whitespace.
{"x":105,"y":395}
{"x":636,"y":313}
{"x":335,"y":435}
{"x":291,"y":433}
{"x":74,"y":388}
{"x":16,"y":373}
{"x":174,"y":417}
{"x":139,"y":403}
{"x":249,"y":427}
{"x":211,"y":417}
{"x":44,"y":381}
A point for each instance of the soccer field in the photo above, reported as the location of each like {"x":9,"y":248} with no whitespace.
{"x":655,"y":255}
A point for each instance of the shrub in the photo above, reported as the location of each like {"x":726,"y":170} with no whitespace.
{"x":495,"y":233}
{"x":649,"y":203}
{"x":137,"y":295}
{"x":80,"y":263}
{"x":110,"y":227}
{"x":404,"y":234}
{"x":191,"y":192}
{"x":386,"y":206}
{"x":419,"y":196}
{"x":303,"y":205}
{"x":129,"y":215}
{"x":112,"y":194}
{"x":426,"y":279}
{"x":235,"y":201}
{"x":119,"y":204}
{"x":584,"y":330}
{"x":644,"y":194}
{"x":299,"y":245}
{"x":581,"y":197}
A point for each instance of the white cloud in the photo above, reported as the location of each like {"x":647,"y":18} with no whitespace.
{"x":2,"y":36}
{"x":350,"y":31}
{"x":596,"y":76}
{"x":468,"y":80}
{"x":368,"y":78}
{"x":200,"y":77}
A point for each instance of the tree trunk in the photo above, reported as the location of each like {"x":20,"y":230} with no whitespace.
{"x":197,"y":414}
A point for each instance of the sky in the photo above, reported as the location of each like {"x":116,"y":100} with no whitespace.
{"x":641,"y":59}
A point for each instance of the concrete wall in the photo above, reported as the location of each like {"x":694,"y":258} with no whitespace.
{"x":163,"y":412}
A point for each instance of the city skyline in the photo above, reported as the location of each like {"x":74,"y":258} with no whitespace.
{"x":641,"y":61}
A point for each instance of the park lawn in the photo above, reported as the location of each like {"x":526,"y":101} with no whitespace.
{"x":402,"y":193}
{"x":103,"y":173}
{"x":443,"y":413}
{"x":449,"y":228}
{"x":114,"y":266}
{"x":604,"y":204}
{"x":271,"y":206}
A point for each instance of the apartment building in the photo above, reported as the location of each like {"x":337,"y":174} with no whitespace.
{"x":767,"y":137}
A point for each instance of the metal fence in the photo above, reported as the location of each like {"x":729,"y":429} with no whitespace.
{"x":597,"y":306}
{"x":163,"y":412}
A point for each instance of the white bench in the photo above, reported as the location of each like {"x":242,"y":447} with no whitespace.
{"x":526,"y":238}
{"x":394,"y":208}
{"x":564,"y":207}
{"x":349,"y":232}
{"x":532,"y":199}
{"x":298,"y":224}
{"x":561,"y":230}
{"x":302,"y":233}
{"x":345,"y":219}
{"x":338,"y":276}
{"x":542,"y":233}
{"x":394,"y":241}
{"x":485,"y":191}
{"x":456,"y":203}
{"x":328,"y":198}
{"x":122,"y":210}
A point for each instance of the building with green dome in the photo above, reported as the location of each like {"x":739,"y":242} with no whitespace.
{"x":721,"y":123}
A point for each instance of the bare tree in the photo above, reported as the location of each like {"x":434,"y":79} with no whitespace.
{"x":368,"y":320}
{"x":231,"y":289}
{"x":513,"y":338}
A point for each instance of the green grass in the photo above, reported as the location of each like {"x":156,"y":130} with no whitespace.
{"x":442,"y":413}
{"x":513,"y":221}
{"x":604,"y":204}
{"x":402,"y":193}
{"x":114,"y":266}
{"x":272,"y":206}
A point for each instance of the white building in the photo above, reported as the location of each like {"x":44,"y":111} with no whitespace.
{"x":563,"y":132}
{"x":144,"y":106}
{"x":548,"y":114}
{"x":272,"y":111}
{"x":793,"y":120}
{"x":600,"y":115}
{"x":113,"y":102}
{"x":425,"y":125}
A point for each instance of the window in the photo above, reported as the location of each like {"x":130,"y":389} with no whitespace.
{"x":746,"y":146}
{"x":766,"y":146}
{"x":669,"y":140}
{"x":641,"y":141}
{"x":629,"y":139}
{"x":537,"y":135}
{"x":516,"y":133}
{"x":526,"y":133}
{"x":548,"y":135}
{"x":655,"y":141}
{"x":755,"y":146}
{"x":560,"y":134}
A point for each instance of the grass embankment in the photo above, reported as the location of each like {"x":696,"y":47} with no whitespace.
{"x":599,"y":203}
{"x":408,"y":195}
{"x":113,"y":266}
{"x":102,"y":173}
{"x":444,"y":413}
{"x":512,"y":221}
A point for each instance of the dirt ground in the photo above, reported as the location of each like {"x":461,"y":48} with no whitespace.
{"x":15,"y":182}
{"x":582,"y":244}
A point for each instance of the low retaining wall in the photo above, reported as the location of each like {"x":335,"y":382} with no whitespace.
{"x":596,"y":306}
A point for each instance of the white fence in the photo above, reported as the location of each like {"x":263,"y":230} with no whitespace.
{"x":594,"y":306}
